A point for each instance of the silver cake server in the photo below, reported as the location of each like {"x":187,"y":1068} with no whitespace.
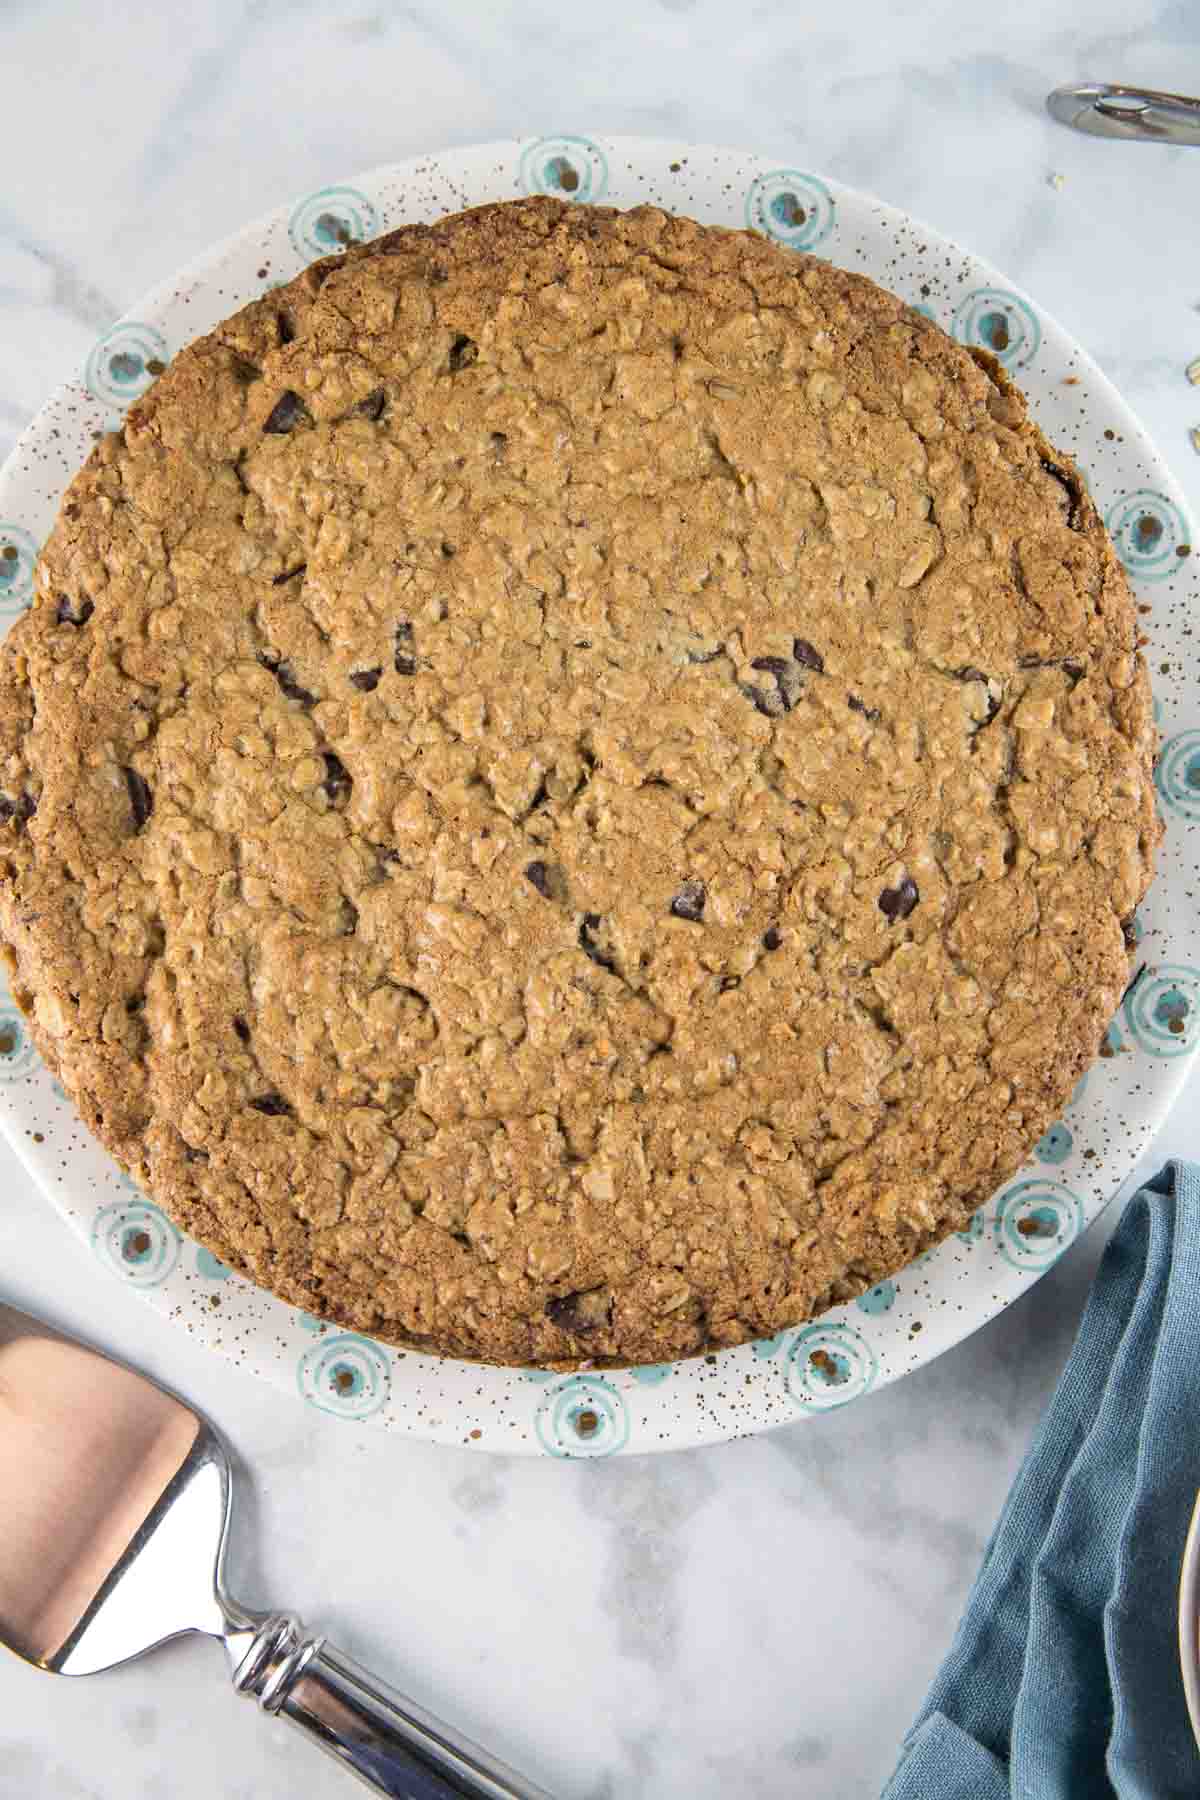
{"x":115,"y":1498}
{"x":1138,"y":115}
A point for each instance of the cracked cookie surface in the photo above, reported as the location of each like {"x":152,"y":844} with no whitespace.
{"x":571,"y":786}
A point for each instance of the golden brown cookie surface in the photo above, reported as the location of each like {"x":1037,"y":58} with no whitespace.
{"x":571,"y":786}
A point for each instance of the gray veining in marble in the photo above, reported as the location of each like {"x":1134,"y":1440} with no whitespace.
{"x":757,"y":1620}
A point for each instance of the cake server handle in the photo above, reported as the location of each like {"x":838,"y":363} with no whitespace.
{"x":1143,"y":115}
{"x":392,"y":1744}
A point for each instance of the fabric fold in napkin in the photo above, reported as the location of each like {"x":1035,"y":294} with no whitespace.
{"x":1063,"y":1679}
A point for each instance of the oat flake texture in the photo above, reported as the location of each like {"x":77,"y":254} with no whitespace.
{"x":571,"y":786}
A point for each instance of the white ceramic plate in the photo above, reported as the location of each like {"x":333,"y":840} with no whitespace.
{"x":1117,"y":1108}
{"x":1189,"y":1621}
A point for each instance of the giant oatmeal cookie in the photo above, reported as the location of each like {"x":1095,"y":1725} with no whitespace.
{"x":572,"y":786}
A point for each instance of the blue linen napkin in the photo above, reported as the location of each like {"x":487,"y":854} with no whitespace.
{"x":1063,"y":1679}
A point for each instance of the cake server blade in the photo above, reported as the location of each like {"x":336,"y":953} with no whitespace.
{"x":116,"y":1499}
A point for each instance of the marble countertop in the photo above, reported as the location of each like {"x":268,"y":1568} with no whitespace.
{"x":759,"y":1619}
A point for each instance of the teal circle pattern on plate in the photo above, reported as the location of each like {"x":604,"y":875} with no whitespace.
{"x":568,"y":168}
{"x":325,"y":222}
{"x":1055,"y":1145}
{"x":583,"y":1416}
{"x":124,"y":363}
{"x":1177,"y":774}
{"x":1163,"y":1010}
{"x":1147,"y":531}
{"x":793,"y":208}
{"x":1035,"y":1221}
{"x":828,"y":1366}
{"x":879,"y":1299}
{"x":137,"y":1241}
{"x":993,"y":319}
{"x":211,"y":1267}
{"x":348,"y":1375}
{"x":18,"y":554}
{"x":18,"y":1053}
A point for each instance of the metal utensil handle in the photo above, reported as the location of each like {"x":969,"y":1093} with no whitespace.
{"x":393,"y":1745}
{"x":1139,"y":115}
